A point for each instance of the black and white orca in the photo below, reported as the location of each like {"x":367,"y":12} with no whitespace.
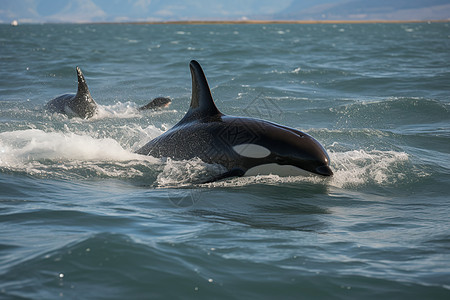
{"x":244,"y":146}
{"x":82,"y":105}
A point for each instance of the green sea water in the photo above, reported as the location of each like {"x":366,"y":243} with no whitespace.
{"x":83,"y":217}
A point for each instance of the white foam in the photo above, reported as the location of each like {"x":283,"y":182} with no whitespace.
{"x":34,"y":144}
{"x":70,"y":155}
{"x":125,"y":110}
{"x":36,"y":151}
{"x":358,"y":167}
{"x":297,"y":70}
{"x":186,"y":172}
{"x":118,"y":110}
{"x":352,"y":169}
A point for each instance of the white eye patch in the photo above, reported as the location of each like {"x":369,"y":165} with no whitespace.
{"x":252,"y":150}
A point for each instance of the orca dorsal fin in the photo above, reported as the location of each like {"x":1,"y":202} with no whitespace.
{"x":82,"y":104}
{"x":82,"y":85}
{"x":202,"y":104}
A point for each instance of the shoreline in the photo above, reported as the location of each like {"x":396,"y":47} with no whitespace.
{"x":210,"y":22}
{"x":238,"y":22}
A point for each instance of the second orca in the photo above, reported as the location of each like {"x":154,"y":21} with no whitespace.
{"x":82,"y":105}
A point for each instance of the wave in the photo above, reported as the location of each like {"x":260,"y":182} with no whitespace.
{"x":35,"y":144}
{"x":113,"y":261}
{"x":116,"y":266}
{"x":360,"y":167}
{"x":352,"y":169}
{"x":53,"y":154}
{"x":118,"y":110}
{"x":126,"y":110}
{"x":398,"y":111}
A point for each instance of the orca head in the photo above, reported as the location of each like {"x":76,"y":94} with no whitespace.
{"x":157,"y":103}
{"x":298,"y":149}
{"x":83,"y":104}
{"x":283,"y":151}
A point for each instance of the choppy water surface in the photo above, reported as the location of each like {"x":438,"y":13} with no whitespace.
{"x":83,"y":216}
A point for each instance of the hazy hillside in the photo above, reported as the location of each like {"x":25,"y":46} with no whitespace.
{"x":366,"y":10}
{"x":135,"y":10}
{"x":165,"y":10}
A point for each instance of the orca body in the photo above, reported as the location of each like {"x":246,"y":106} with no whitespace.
{"x":79,"y":105}
{"x":244,"y":146}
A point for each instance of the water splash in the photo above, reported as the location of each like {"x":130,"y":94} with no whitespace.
{"x":37,"y":152}
{"x":360,"y":167}
{"x":69,"y":155}
{"x":352,"y":169}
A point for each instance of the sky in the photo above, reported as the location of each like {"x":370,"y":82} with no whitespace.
{"x":81,"y":11}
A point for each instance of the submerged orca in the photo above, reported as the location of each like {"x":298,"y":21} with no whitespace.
{"x":244,"y":146}
{"x":83,"y":106}
{"x":157,"y":103}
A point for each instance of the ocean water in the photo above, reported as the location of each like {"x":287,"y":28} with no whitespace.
{"x":83,"y":217}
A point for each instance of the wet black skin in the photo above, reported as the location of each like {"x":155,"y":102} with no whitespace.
{"x":157,"y":103}
{"x":206,"y":133}
{"x":82,"y":105}
{"x":79,"y":105}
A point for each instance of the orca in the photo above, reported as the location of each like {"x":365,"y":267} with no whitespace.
{"x":82,"y":104}
{"x":79,"y":105}
{"x":157,"y":103}
{"x":243,"y":146}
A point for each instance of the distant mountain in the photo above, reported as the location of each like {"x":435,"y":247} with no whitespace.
{"x":135,"y":10}
{"x":366,"y":10}
{"x":38,"y":11}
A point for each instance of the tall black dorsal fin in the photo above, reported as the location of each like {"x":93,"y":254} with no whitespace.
{"x":202,"y":104}
{"x":82,"y":85}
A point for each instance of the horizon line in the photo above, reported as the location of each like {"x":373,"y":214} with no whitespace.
{"x":278,"y":21}
{"x":212,"y":22}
